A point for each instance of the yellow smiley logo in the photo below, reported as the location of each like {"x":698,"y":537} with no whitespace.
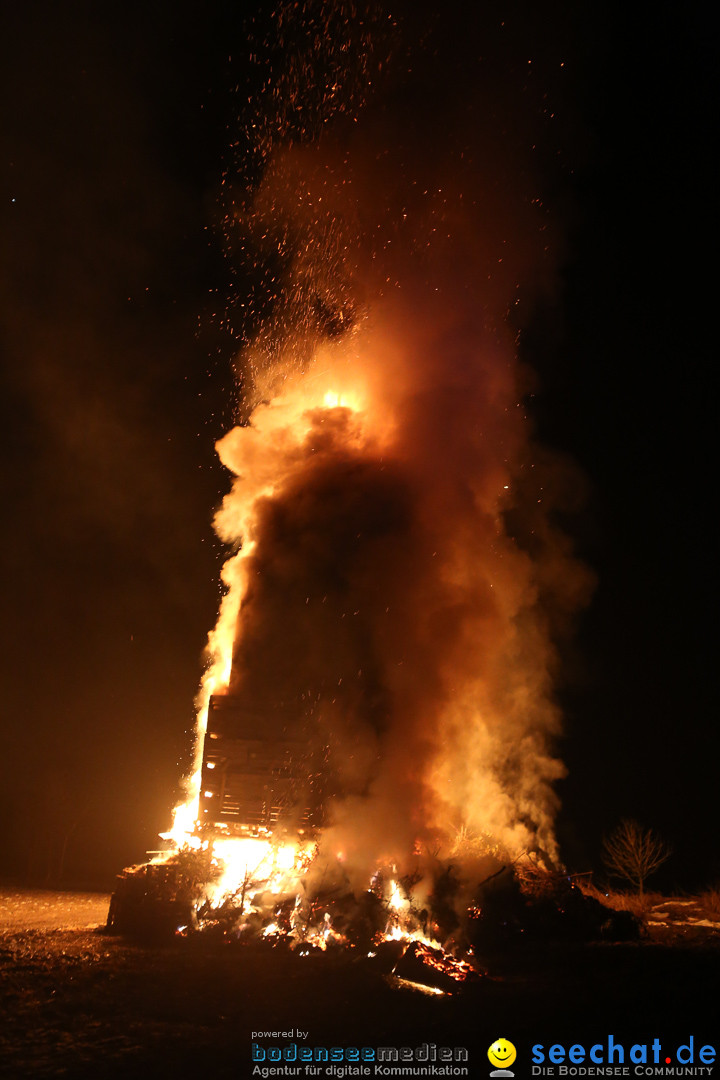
{"x":502,"y":1053}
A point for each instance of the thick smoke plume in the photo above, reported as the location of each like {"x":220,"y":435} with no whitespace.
{"x":398,"y":580}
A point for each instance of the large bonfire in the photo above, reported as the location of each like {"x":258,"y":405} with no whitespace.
{"x":395,"y":581}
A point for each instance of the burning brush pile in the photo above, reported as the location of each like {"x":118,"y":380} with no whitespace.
{"x":288,"y":898}
{"x":421,"y":929}
{"x":375,"y":726}
{"x":291,"y":900}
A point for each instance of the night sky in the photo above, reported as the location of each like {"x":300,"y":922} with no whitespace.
{"x":117,"y":380}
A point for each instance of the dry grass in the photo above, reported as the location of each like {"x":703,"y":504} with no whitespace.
{"x":669,"y":919}
{"x":709,"y":902}
{"x":640,"y":906}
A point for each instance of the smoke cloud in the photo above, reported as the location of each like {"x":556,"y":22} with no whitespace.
{"x":399,"y":581}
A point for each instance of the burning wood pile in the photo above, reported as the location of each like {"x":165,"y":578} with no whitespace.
{"x":421,"y":931}
{"x":379,"y":681}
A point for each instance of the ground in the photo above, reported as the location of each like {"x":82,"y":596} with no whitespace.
{"x":45,"y":909}
{"x":79,"y":1003}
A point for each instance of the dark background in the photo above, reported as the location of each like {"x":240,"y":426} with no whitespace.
{"x":116,"y":380}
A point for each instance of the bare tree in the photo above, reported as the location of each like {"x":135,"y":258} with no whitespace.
{"x":634,"y":853}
